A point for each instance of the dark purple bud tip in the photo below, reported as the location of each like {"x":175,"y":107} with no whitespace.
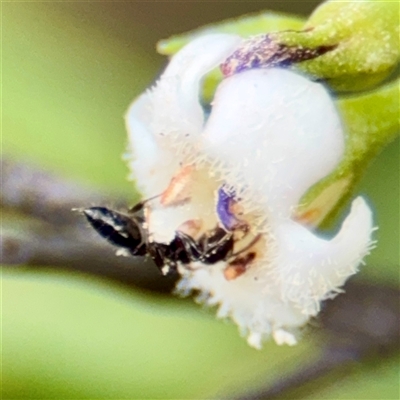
{"x":266,"y":51}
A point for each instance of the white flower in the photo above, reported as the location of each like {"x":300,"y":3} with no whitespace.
{"x":270,"y":136}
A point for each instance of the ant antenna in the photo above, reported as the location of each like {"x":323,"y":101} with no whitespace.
{"x":139,"y":206}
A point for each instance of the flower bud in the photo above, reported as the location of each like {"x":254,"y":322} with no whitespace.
{"x":350,"y":45}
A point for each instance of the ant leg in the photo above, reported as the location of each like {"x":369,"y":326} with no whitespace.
{"x":186,"y":249}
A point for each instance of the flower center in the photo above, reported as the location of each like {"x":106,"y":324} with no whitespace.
{"x":208,"y":219}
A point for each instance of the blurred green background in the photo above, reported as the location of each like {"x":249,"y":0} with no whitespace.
{"x":69,"y":72}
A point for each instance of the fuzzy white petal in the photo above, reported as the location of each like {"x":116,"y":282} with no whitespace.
{"x":153,"y":162}
{"x":275,"y":133}
{"x":252,"y":301}
{"x":176,"y":96}
{"x":279,"y":297}
{"x":162,"y":120}
{"x":310,"y":268}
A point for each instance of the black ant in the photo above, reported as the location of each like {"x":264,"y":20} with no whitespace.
{"x":127,"y":231}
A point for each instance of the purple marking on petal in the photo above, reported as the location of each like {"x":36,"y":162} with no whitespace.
{"x":225,"y":216}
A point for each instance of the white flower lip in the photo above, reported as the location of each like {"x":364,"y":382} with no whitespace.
{"x":270,"y":136}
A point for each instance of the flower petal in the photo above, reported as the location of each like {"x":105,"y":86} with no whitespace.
{"x":274,"y":133}
{"x":278,"y":297}
{"x":252,"y":301}
{"x":310,"y":269}
{"x":176,"y":105}
{"x":161,"y":121}
{"x":153,"y":163}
